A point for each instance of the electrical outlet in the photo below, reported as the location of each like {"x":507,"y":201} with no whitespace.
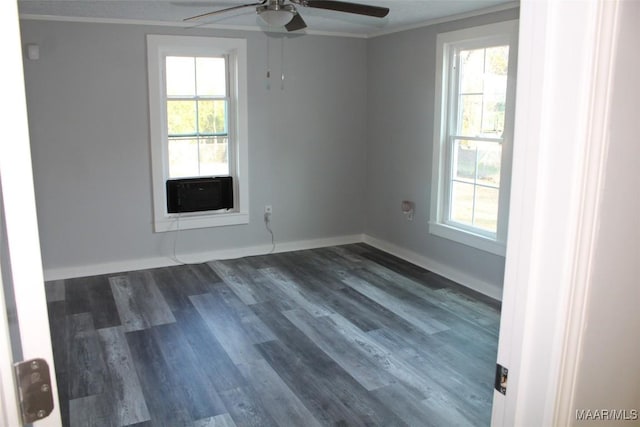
{"x":268,"y":209}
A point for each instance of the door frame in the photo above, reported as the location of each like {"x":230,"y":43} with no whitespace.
{"x":24,"y":259}
{"x":567,"y":49}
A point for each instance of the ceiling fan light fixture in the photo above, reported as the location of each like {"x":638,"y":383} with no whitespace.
{"x":276,"y":18}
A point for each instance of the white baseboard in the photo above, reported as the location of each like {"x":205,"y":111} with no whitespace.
{"x":492,"y":290}
{"x":489,"y":289}
{"x":156,"y":262}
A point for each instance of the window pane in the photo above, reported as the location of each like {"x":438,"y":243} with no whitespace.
{"x":497,"y":61}
{"x":183,"y":157}
{"x":214,"y":157}
{"x":489,"y":157}
{"x":493,"y":116}
{"x":486,"y":209}
{"x":181,"y":117}
{"x":470,"y":118}
{"x":212,"y":116}
{"x":462,"y":202}
{"x":464,"y":164}
{"x":495,"y":90}
{"x":211,"y":76}
{"x":471,"y":70}
{"x":180,"y":76}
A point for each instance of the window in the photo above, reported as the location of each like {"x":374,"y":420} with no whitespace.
{"x":198,"y":122}
{"x":197,"y":102}
{"x":473,"y":135}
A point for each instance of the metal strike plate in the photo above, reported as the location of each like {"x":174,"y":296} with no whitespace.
{"x":34,"y":384}
{"x":502,"y":375}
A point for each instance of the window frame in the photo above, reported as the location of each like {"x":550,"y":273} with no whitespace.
{"x":446,"y":94}
{"x":235,"y":50}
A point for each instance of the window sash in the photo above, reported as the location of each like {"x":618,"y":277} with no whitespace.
{"x":453,"y":118}
{"x":448,"y":205}
{"x":198,"y":135}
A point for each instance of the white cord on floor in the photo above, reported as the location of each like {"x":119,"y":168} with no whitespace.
{"x":267,"y":224}
{"x":175,"y":243}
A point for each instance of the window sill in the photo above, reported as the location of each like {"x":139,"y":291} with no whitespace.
{"x":191,"y":221}
{"x":468,"y":238}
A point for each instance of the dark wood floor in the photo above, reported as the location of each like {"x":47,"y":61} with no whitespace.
{"x":344,"y":336}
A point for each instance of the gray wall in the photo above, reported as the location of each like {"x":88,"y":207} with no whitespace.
{"x":88,"y":114}
{"x":400,"y":90}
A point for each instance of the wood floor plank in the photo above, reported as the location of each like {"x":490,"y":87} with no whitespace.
{"x":131,"y":314}
{"x":255,"y":329}
{"x":225,"y":327}
{"x":249,"y":284}
{"x":85,"y":366}
{"x":77,"y":296}
{"x":411,"y":314}
{"x":408,"y":292}
{"x":308,"y":265}
{"x":280,"y":402}
{"x":246,"y":407}
{"x":413,"y":377}
{"x":420,"y":275}
{"x":171,"y":289}
{"x":377,"y":257}
{"x":123,"y":386}
{"x":91,"y":411}
{"x":188,"y":281}
{"x":207,"y":278}
{"x":60,"y":345}
{"x":222,"y":420}
{"x":442,"y":303}
{"x":326,"y":407}
{"x":332,"y":379}
{"x":209,"y":353}
{"x":165,"y":403}
{"x":364,"y":312}
{"x":55,"y":290}
{"x":321,"y":331}
{"x":59,"y":333}
{"x":428,"y":413}
{"x":295,"y":293}
{"x":92,"y":295}
{"x":465,"y":379}
{"x":102,"y":304}
{"x":200,"y":396}
{"x":139,"y":302}
{"x":242,"y":285}
{"x":464,"y":390}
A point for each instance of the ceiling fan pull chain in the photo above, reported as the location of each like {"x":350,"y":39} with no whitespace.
{"x":282,"y":63}
{"x":268,"y":81}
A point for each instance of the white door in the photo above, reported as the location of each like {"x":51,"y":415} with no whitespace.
{"x":24,"y":324}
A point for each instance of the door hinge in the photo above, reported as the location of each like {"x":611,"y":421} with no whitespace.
{"x":502,"y":374}
{"x":34,"y":388}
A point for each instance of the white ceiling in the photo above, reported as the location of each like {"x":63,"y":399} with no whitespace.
{"x":403,"y":13}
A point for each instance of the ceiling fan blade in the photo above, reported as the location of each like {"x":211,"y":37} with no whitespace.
{"x":297,"y":23}
{"x":215,"y":12}
{"x":342,"y":6}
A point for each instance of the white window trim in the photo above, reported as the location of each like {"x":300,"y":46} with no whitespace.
{"x":158,"y":47}
{"x":506,"y":32}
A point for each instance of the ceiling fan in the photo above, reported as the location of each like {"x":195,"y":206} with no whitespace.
{"x":280,"y":13}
